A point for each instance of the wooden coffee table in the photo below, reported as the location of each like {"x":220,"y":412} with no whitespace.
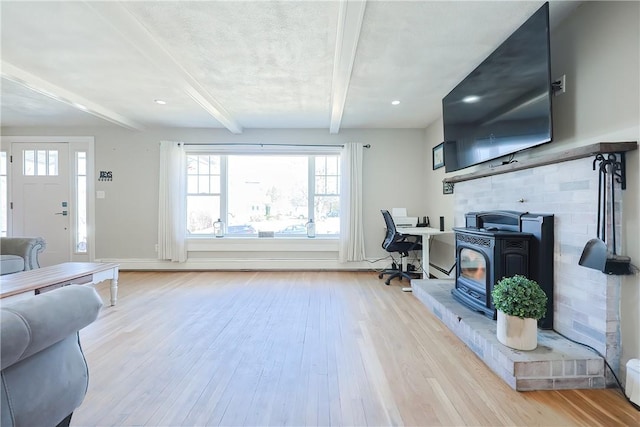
{"x":33,"y":282}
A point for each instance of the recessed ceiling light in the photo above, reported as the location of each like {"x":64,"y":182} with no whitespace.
{"x":396,"y":102}
{"x":471,"y":99}
{"x":159,"y":101}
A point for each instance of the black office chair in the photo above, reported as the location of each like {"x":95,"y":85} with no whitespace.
{"x":394,"y":241}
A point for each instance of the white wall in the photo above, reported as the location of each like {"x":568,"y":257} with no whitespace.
{"x":598,"y":49}
{"x":126,"y":219}
{"x":438,"y":204}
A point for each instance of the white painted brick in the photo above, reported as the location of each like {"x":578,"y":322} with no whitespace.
{"x":571,"y":383}
{"x":569,"y":191}
{"x":569,"y":368}
{"x":595,"y":367}
{"x":557,"y":368}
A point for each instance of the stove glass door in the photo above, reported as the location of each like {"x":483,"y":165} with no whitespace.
{"x":473,"y":265}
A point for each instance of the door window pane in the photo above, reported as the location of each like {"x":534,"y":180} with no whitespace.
{"x":29,"y":162}
{"x":4,"y":206}
{"x":40,"y":162}
{"x":52,"y":163}
{"x":81,"y":202}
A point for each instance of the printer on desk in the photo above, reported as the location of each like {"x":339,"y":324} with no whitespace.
{"x":401,"y":219}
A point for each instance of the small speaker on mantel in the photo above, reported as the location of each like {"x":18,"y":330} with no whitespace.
{"x":441,"y":223}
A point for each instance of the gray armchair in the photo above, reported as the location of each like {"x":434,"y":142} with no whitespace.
{"x":20,"y":253}
{"x":44,"y":372}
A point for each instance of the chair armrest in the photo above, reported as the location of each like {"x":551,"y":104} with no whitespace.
{"x":31,"y":325}
{"x":26,"y":247}
{"x":412,"y":238}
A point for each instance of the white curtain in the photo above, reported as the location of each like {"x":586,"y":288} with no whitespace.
{"x":351,"y":229}
{"x":172,"y":223}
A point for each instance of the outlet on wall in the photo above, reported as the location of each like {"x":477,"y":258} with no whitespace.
{"x":560,"y":85}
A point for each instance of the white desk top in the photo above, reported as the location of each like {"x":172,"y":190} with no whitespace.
{"x":422,"y":231}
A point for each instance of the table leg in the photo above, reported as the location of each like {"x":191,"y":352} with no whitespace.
{"x":425,"y":256}
{"x":425,"y":260}
{"x":114,"y":287}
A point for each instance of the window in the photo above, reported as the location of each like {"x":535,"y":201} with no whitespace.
{"x":203,"y":192}
{"x":4,"y":208}
{"x":327,"y":188}
{"x":40,"y":163}
{"x":81,"y":202}
{"x":263,"y":193}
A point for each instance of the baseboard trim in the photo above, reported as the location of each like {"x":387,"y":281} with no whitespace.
{"x":239,"y":264}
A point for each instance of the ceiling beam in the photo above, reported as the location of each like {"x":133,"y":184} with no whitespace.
{"x":132,"y":31}
{"x":44,"y":87}
{"x":350,"y":18}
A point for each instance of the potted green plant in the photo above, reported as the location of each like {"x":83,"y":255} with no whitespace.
{"x":520,"y":302}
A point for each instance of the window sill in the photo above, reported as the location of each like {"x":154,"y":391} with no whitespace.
{"x":272,"y":244}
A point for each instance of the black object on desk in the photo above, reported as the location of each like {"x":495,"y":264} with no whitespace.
{"x":424,"y":223}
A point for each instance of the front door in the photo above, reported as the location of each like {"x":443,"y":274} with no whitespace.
{"x":41,"y":197}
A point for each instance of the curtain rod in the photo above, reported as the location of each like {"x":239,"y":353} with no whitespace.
{"x":271,"y":145}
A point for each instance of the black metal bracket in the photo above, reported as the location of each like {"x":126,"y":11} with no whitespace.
{"x":612,"y":165}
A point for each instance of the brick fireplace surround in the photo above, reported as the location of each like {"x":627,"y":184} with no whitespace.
{"x":586,"y":301}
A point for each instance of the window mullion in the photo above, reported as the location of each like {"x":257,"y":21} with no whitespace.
{"x":311,"y":185}
{"x":224,"y":188}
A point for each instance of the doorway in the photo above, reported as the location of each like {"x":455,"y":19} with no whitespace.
{"x":50,"y":195}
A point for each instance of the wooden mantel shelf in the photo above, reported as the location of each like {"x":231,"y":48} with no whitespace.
{"x":548,"y":159}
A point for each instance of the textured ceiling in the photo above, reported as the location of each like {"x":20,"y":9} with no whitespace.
{"x":242,"y":65}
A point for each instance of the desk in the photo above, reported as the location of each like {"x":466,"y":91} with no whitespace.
{"x":28,"y":283}
{"x":425,"y":233}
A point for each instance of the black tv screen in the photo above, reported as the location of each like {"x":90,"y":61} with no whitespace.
{"x":504,"y":105}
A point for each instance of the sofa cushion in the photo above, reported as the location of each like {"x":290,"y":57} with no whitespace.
{"x":26,"y":247}
{"x":44,"y":389}
{"x":44,"y":373}
{"x":33,"y":324}
{"x":11,"y":264}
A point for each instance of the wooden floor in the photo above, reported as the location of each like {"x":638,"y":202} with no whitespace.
{"x":299,"y":348}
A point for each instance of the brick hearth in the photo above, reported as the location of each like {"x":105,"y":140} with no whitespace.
{"x":556,"y":363}
{"x":564,"y":184}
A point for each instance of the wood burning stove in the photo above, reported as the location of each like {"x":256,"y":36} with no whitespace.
{"x":486,"y":256}
{"x":498,"y":244}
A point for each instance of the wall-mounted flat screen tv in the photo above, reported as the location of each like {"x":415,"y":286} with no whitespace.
{"x":504,"y":105}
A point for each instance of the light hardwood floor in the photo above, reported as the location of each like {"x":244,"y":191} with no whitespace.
{"x":299,"y":348}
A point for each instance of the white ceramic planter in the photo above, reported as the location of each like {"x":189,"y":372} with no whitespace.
{"x":516,"y":332}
